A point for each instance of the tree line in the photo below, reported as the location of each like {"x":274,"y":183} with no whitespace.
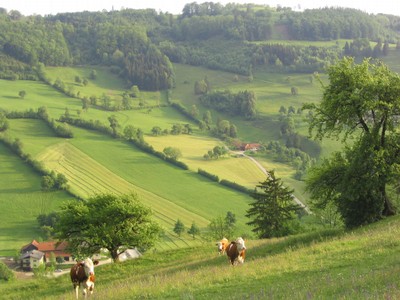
{"x":140,"y":45}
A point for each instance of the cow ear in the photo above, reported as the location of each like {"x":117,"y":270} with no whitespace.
{"x":96,"y":262}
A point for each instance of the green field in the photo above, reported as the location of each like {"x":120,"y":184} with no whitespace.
{"x":21,"y":201}
{"x":95,"y":163}
{"x":359,"y":264}
{"x":105,"y":83}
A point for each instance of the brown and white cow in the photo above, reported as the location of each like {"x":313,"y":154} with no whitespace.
{"x":236,"y":251}
{"x":82,"y":273}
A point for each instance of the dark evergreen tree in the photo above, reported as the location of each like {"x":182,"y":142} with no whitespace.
{"x":273,"y":210}
{"x":179,"y":227}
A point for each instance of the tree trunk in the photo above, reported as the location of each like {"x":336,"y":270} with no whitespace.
{"x":388,"y":208}
{"x":114,"y":255}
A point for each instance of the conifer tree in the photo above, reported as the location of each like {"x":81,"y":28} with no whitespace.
{"x":273,"y":208}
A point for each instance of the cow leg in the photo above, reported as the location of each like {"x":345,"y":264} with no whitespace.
{"x":76,"y":288}
{"x":89,"y":286}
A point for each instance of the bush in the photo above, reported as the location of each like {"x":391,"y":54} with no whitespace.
{"x":208,"y":175}
{"x":235,"y":186}
{"x":5,"y":273}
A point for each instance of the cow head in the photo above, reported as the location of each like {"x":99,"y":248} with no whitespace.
{"x":222,"y":244}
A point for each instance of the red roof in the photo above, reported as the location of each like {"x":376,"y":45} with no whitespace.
{"x":34,"y":243}
{"x":251,"y":146}
{"x":58,"y":248}
{"x":52,"y":246}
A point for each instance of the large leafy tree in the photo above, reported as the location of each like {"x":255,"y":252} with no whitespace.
{"x":361,"y":101}
{"x":107,"y":221}
{"x":273,"y":209}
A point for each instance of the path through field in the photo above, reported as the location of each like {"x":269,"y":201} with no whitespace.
{"x":267,"y":174}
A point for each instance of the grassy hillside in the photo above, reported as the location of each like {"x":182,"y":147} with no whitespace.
{"x":94,"y":163}
{"x":89,"y":169}
{"x":21,"y":202}
{"x":360,"y":264}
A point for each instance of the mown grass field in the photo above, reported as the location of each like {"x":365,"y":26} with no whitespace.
{"x":21,"y":201}
{"x":107,"y":159}
{"x":105,"y":83}
{"x":92,"y":170}
{"x":94,"y":163}
{"x":359,"y":264}
{"x":37,"y":94}
{"x":232,"y":167}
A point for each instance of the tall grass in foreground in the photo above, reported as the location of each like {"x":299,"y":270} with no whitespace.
{"x":361,"y":264}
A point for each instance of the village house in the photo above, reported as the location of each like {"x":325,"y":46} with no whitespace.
{"x":251,"y":147}
{"x":31,"y":260}
{"x":30,"y":253}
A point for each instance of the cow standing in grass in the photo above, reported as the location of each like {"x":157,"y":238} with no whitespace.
{"x":82,"y":273}
{"x":236,"y":251}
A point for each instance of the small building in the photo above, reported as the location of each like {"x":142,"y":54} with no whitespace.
{"x":129,"y":254}
{"x":31,"y":260}
{"x":57,"y":248}
{"x":251,"y":147}
{"x":46,"y":248}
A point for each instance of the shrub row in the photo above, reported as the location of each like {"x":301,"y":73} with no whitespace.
{"x":208,"y":175}
{"x":61,"y":130}
{"x":59,"y":181}
{"x":235,"y":186}
{"x":180,"y":108}
{"x":137,"y":141}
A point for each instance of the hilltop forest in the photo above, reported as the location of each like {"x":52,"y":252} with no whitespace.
{"x":140,"y":45}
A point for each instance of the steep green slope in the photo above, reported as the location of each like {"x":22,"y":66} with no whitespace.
{"x":21,"y":201}
{"x":94,"y":163}
{"x":361,"y":264}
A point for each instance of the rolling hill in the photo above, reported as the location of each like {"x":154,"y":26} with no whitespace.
{"x":327,"y":264}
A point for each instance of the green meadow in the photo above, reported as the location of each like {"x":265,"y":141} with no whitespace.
{"x":21,"y":201}
{"x":105,"y":83}
{"x":326,"y":264}
{"x":95,"y":163}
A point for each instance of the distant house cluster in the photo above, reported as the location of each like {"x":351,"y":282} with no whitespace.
{"x":36,"y":253}
{"x":251,"y":147}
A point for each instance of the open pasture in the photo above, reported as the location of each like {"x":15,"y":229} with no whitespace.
{"x":152,"y":174}
{"x":21,"y":201}
{"x":105,"y":83}
{"x":231,"y":167}
{"x":329,"y":264}
{"x":37,"y":94}
{"x":95,"y":163}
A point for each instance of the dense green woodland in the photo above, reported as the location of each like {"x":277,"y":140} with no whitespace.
{"x":141,"y":44}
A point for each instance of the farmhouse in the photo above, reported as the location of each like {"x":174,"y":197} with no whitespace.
{"x":30,"y":253}
{"x":251,"y":147}
{"x":31,"y":260}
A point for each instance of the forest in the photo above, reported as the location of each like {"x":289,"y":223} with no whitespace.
{"x":140,"y":45}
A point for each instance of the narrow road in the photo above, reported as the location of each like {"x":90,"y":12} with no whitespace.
{"x":302,"y":205}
